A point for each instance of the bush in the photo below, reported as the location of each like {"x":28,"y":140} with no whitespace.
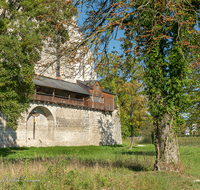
{"x":148,"y":138}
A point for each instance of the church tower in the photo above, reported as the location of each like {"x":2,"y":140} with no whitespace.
{"x":68,"y":61}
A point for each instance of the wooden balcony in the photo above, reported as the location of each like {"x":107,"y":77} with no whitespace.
{"x":70,"y":101}
{"x":60,"y":99}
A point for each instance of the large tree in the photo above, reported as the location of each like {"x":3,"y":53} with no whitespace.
{"x":125,"y":81}
{"x":25,"y":26}
{"x":162,"y":35}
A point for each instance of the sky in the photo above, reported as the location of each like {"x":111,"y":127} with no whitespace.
{"x":114,"y":45}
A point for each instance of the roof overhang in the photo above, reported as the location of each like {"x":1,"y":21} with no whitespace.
{"x":59,"y":84}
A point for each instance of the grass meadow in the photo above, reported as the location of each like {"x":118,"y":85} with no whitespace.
{"x":97,"y":167}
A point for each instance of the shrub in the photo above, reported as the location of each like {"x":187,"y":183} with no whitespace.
{"x":148,"y":138}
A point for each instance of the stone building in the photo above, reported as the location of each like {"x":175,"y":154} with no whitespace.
{"x":69,"y":107}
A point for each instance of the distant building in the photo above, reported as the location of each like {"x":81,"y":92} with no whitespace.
{"x":187,"y":131}
{"x":191,"y":130}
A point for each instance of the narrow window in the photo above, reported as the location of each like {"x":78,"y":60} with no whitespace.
{"x":58,"y":65}
{"x":58,"y":71}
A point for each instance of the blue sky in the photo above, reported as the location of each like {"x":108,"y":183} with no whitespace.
{"x":114,"y":45}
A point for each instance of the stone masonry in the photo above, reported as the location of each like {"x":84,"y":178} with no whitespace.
{"x":62,"y":126}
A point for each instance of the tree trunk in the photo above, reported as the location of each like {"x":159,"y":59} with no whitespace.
{"x":132,"y":138}
{"x":167,"y":151}
{"x":130,"y":148}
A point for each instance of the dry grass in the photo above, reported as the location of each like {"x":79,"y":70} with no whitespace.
{"x":64,"y":173}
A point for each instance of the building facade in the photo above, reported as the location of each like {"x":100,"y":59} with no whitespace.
{"x":65,"y":114}
{"x":69,"y":107}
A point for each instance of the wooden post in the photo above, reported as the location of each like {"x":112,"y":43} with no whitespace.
{"x":53,"y":95}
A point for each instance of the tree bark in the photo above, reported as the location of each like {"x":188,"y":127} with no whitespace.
{"x":167,"y":150}
{"x":132,"y":127}
{"x":131,"y":146}
{"x":132,"y":138}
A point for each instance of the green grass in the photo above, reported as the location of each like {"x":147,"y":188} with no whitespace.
{"x":96,"y":167}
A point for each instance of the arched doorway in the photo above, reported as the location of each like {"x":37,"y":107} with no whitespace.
{"x":40,"y":126}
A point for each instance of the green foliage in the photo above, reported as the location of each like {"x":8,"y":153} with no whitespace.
{"x":133,"y":106}
{"x":125,"y":129}
{"x":167,"y":83}
{"x":24,"y":26}
{"x":123,"y":80}
{"x":194,"y":109}
{"x":148,"y":135}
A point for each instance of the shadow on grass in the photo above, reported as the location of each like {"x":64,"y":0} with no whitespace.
{"x":115,"y":145}
{"x":12,"y":150}
{"x":134,"y":163}
{"x":131,"y":164}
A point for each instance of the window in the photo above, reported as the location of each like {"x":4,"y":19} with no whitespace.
{"x":58,"y":71}
{"x":96,"y":99}
{"x":96,"y":87}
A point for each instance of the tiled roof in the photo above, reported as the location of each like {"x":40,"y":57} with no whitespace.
{"x":59,"y":84}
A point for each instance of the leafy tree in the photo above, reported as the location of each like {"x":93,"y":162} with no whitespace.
{"x":162,"y":36}
{"x":194,"y":109}
{"x":25,"y":26}
{"x":122,"y":79}
{"x":133,"y":106}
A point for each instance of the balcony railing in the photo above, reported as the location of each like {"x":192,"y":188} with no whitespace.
{"x":60,"y":99}
{"x":70,"y":101}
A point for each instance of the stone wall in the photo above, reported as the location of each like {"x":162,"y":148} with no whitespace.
{"x":62,"y":126}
